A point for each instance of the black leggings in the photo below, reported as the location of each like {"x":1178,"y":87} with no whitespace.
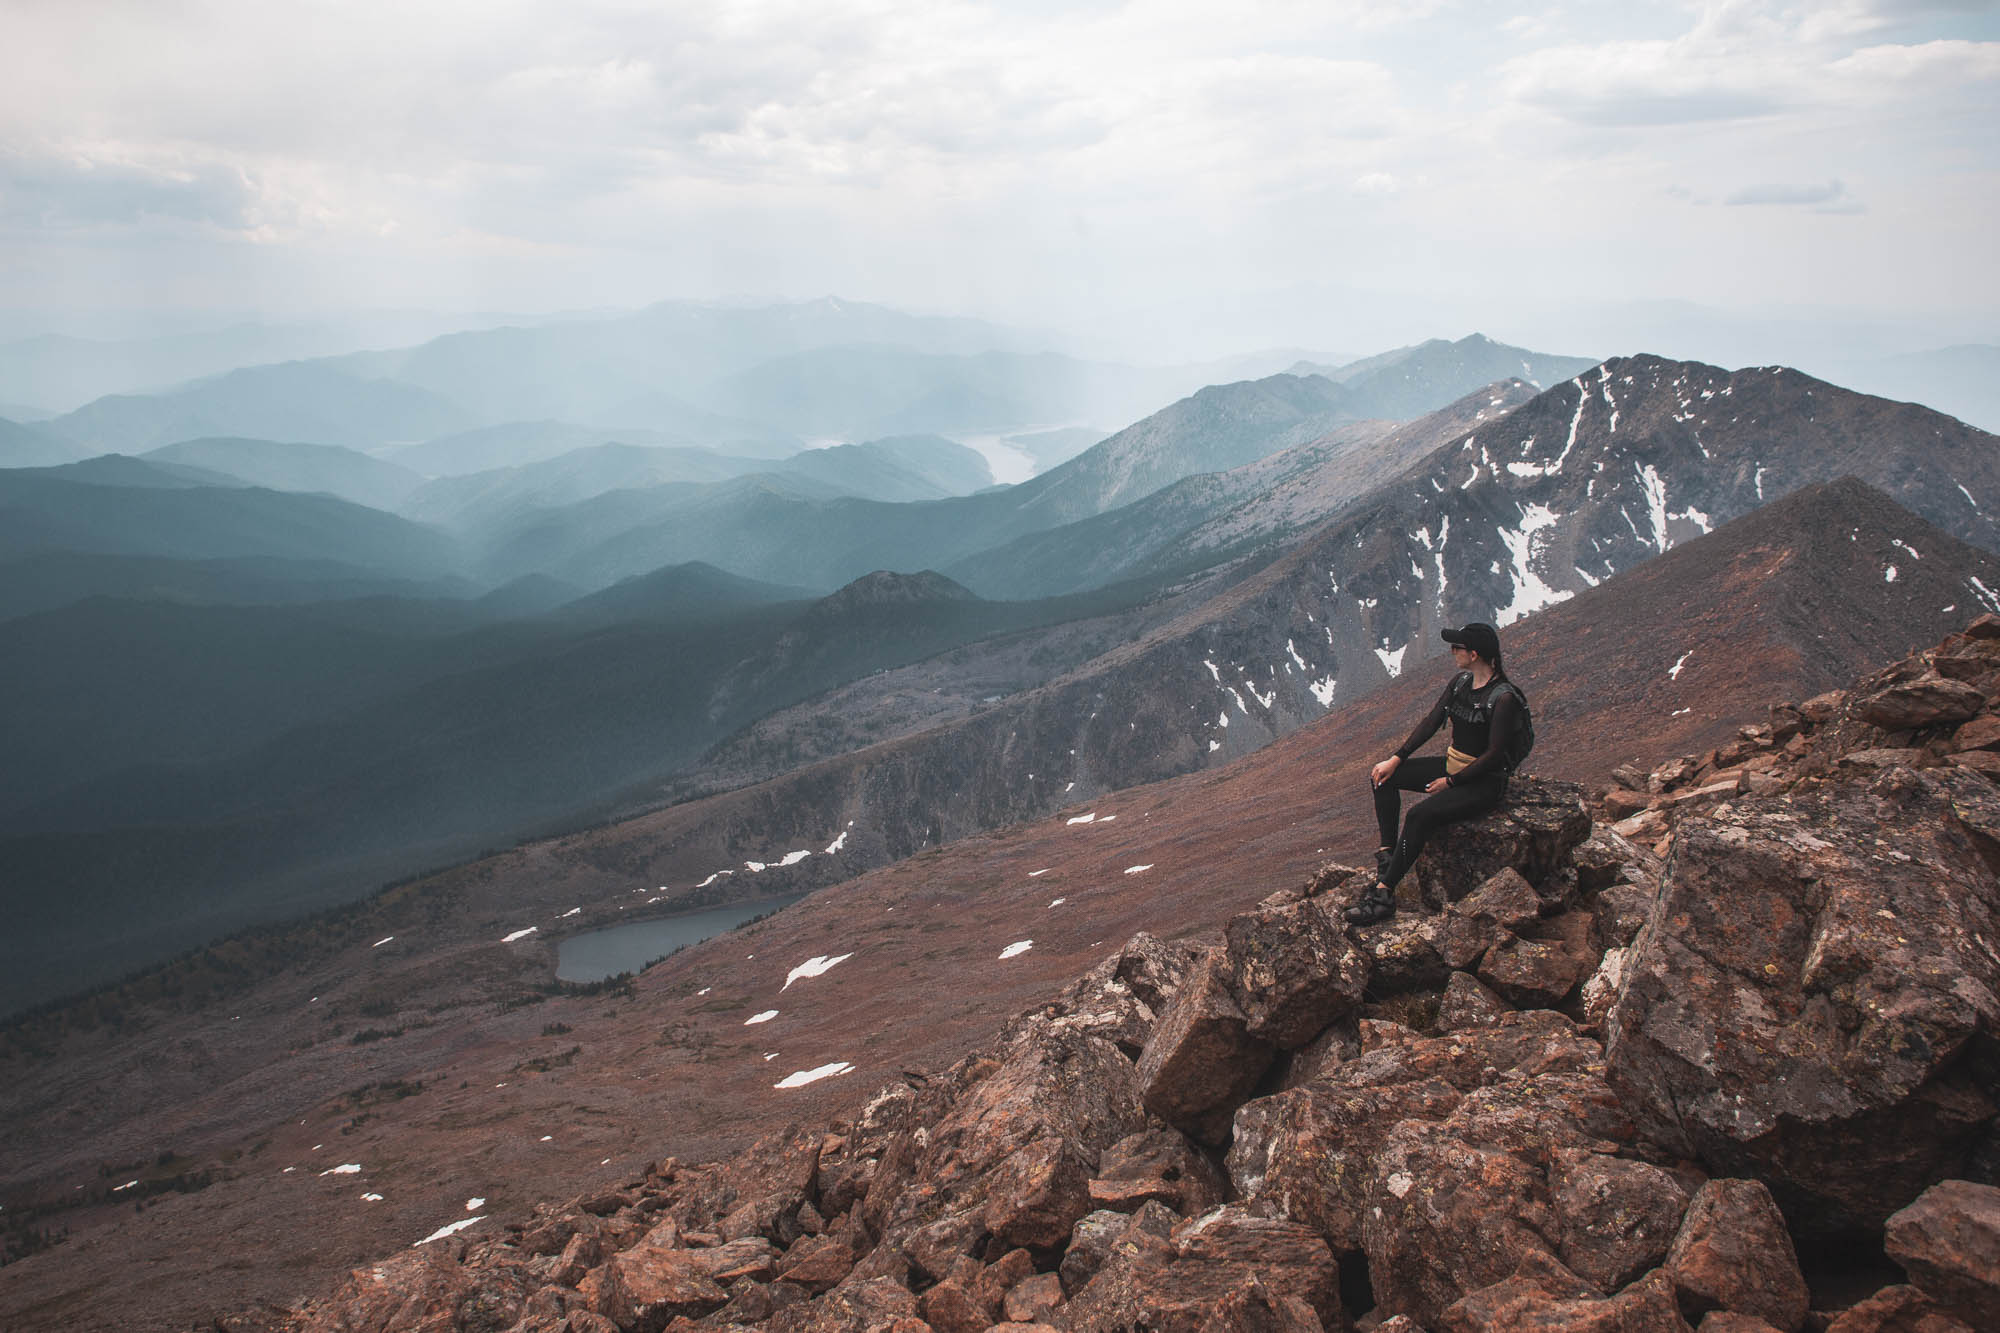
{"x":1430,"y":814}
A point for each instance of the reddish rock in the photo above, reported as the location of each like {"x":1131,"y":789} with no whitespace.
{"x":753,"y":1257}
{"x":1724,"y":1321}
{"x":817,"y":1263}
{"x":1037,"y":1193}
{"x":1672,"y":774}
{"x":879,"y":1305}
{"x":1532,"y":833}
{"x":1033,"y":1297}
{"x":643,"y":1289}
{"x":1888,"y":756}
{"x":1769,"y":1024}
{"x":950,"y":1307}
{"x":1542,"y":1295}
{"x":1201,"y":1060}
{"x":1251,"y":1307}
{"x":1049,"y":1087}
{"x":1505,"y":897}
{"x":1924,"y":702}
{"x":1979,"y":733}
{"x":1733,"y":1253}
{"x":1446,"y":1218}
{"x":1090,"y":1243}
{"x":1620,"y":912}
{"x":1619,"y":803}
{"x":1979,"y":761}
{"x":1404,"y":953}
{"x":1467,"y":1004}
{"x":421,"y":1290}
{"x":1156,"y":1164}
{"x":1290,"y":1259}
{"x":1533,"y":974}
{"x":1177,"y":1285}
{"x":1292,"y":971}
{"x":1617,"y":1218}
{"x":584,"y":1252}
{"x":1303,"y":1155}
{"x":1604,"y":858}
{"x":1900,"y":1309}
{"x":1948,"y":1241}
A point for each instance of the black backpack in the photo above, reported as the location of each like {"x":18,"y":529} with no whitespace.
{"x":1522,"y":741}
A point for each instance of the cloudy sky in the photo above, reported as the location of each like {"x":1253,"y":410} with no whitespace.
{"x":1178,"y":177}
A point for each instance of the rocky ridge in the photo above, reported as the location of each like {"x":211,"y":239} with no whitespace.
{"x":1632,"y":1075}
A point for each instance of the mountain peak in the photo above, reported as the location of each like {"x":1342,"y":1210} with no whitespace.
{"x":886,"y":587}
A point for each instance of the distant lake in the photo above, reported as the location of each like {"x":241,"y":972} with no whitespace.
{"x":606,"y":953}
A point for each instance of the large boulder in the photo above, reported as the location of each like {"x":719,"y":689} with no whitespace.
{"x":1616,"y":1218}
{"x":1532,"y":832}
{"x":645,"y":1288}
{"x":1733,"y":1253}
{"x":1948,"y":1241}
{"x":1292,"y":971}
{"x":1304,"y":1154}
{"x":1806,"y":1000}
{"x":1011,"y":1155}
{"x":1542,"y":1295}
{"x":1156,"y":1164}
{"x":1923,"y":702}
{"x":1201,"y":1061}
{"x":1177,"y":1284}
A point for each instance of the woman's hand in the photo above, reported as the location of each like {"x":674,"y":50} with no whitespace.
{"x":1437,"y":785}
{"x":1382,"y":772}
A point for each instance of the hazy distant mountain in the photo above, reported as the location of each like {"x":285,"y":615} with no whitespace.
{"x":155,"y":509}
{"x":481,"y":500}
{"x":306,"y":400}
{"x":25,"y":446}
{"x":327,"y":468}
{"x":861,"y":391}
{"x":773,"y":527}
{"x":678,"y":592}
{"x":143,"y":473}
{"x":61,"y":372}
{"x":1409,"y":381}
{"x":606,"y":369}
{"x":521,"y":443}
{"x":55,"y":579}
{"x":1202,"y":520}
{"x":899,"y":467}
{"x":1220,"y":427}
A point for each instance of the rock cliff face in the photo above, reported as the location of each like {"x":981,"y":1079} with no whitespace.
{"x":1634,"y":1075}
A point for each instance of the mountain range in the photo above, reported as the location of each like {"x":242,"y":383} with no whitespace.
{"x":275,"y":758}
{"x":467,"y":1070}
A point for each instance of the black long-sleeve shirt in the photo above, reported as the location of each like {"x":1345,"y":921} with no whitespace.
{"x":1485,"y":740}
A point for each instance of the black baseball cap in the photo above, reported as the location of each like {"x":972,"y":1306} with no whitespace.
{"x":1480,"y":637}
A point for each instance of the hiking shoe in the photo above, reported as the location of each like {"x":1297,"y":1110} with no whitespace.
{"x":1376,"y":906}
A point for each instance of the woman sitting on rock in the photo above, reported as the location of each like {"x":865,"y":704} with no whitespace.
{"x":1469,"y":778}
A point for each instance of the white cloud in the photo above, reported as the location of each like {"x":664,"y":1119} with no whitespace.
{"x":1037,"y":162}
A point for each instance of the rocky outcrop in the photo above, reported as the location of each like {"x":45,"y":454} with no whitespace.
{"x":1601,"y":1084}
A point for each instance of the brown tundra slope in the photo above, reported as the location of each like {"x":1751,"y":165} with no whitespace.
{"x":1574,"y":1084}
{"x":469,"y":1093}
